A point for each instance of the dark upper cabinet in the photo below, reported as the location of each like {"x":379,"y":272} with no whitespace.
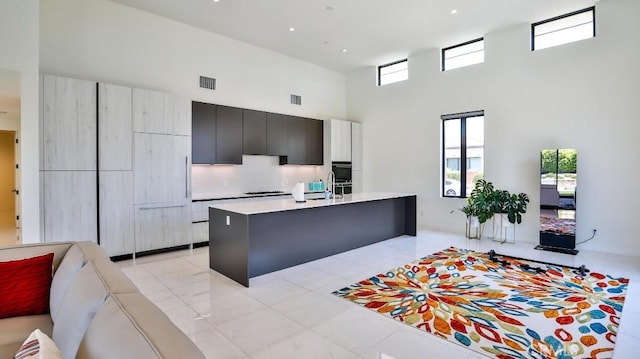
{"x":228,"y":135}
{"x":277,"y":135}
{"x":254,"y":132}
{"x":315,"y":142}
{"x":297,"y":141}
{"x":203,"y":137}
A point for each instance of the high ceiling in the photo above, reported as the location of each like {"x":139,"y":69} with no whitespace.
{"x":373,"y":32}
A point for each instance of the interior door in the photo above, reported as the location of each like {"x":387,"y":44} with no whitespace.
{"x":7,"y":185}
{"x":16,"y":190}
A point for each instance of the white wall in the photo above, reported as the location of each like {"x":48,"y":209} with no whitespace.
{"x":19,"y":43}
{"x":107,"y":42}
{"x":103,"y":41}
{"x":582,"y":95}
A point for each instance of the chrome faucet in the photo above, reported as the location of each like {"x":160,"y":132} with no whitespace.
{"x":331,"y":181}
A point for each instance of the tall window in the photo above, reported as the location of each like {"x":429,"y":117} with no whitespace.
{"x":563,"y":29}
{"x":393,"y":72}
{"x":462,"y":143}
{"x":461,"y":55}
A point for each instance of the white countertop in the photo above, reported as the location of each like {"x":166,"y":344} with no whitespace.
{"x":235,"y":195}
{"x":279,"y":205}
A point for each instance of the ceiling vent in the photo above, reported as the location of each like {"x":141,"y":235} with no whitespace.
{"x":207,"y":83}
{"x":296,"y":100}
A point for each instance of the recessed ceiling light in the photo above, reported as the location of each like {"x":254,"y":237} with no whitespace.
{"x":292,"y":29}
{"x":344,"y":50}
{"x":216,"y":0}
{"x":454,"y":11}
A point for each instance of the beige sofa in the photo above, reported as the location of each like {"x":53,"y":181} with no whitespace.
{"x":95,"y":310}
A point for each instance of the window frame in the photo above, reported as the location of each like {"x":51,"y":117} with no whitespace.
{"x":463,"y":151}
{"x":442,"y":52}
{"x":380,"y":67}
{"x":591,"y":9}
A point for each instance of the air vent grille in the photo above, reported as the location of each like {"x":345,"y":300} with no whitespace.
{"x":207,"y":83}
{"x":296,"y":100}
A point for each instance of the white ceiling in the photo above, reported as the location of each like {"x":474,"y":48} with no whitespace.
{"x":374,"y":32}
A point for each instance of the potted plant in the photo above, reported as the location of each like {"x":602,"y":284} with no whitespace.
{"x":479,"y":207}
{"x":485,"y":201}
{"x":511,"y":206}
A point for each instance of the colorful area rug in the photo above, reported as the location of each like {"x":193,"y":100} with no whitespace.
{"x":500,"y":310}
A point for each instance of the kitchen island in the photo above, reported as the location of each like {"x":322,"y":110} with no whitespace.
{"x":248,"y":239}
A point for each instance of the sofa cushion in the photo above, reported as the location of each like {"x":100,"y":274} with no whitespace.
{"x":69,"y":266}
{"x":24,"y":286}
{"x":76,"y":257}
{"x":90,"y":250}
{"x":83,"y":298}
{"x":13,"y":331}
{"x":113,"y":278}
{"x":128,"y":325}
{"x":38,"y":346}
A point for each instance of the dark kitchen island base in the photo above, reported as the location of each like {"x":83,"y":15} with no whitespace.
{"x":245,"y":245}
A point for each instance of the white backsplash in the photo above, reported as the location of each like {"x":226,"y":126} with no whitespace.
{"x":257,"y":173}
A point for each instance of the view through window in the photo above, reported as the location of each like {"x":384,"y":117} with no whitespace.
{"x":393,"y":72}
{"x":563,"y":29}
{"x":462,"y":152}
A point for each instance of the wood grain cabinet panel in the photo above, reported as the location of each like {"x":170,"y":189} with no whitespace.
{"x":177,"y":115}
{"x":162,"y":168}
{"x":116,"y":212}
{"x":200,"y":232}
{"x":162,"y":226}
{"x":68,"y":124}
{"x":115,"y":127}
{"x":148,"y":111}
{"x":70,"y":206}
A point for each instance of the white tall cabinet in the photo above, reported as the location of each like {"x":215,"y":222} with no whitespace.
{"x":340,"y":140}
{"x":162,"y":176}
{"x":68,"y":159}
{"x":115,"y":168}
{"x":346,"y":146}
{"x":356,"y":156}
{"x":115,"y":165}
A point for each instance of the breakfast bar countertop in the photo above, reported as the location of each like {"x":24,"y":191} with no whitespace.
{"x":280,"y":205}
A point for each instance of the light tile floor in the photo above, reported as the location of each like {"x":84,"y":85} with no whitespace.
{"x":292,"y":314}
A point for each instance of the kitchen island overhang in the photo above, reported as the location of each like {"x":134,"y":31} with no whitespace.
{"x":248,"y":239}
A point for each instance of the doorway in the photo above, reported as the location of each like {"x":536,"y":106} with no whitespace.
{"x":8,"y":211}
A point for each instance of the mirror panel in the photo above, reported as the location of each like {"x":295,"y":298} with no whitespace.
{"x":558,"y":187}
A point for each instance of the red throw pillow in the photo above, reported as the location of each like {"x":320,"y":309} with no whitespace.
{"x":25,"y":285}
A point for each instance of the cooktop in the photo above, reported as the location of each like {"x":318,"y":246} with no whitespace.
{"x":264,"y":192}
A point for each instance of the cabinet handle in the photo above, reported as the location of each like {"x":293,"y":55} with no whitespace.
{"x":186,"y":177}
{"x":162,"y":207}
